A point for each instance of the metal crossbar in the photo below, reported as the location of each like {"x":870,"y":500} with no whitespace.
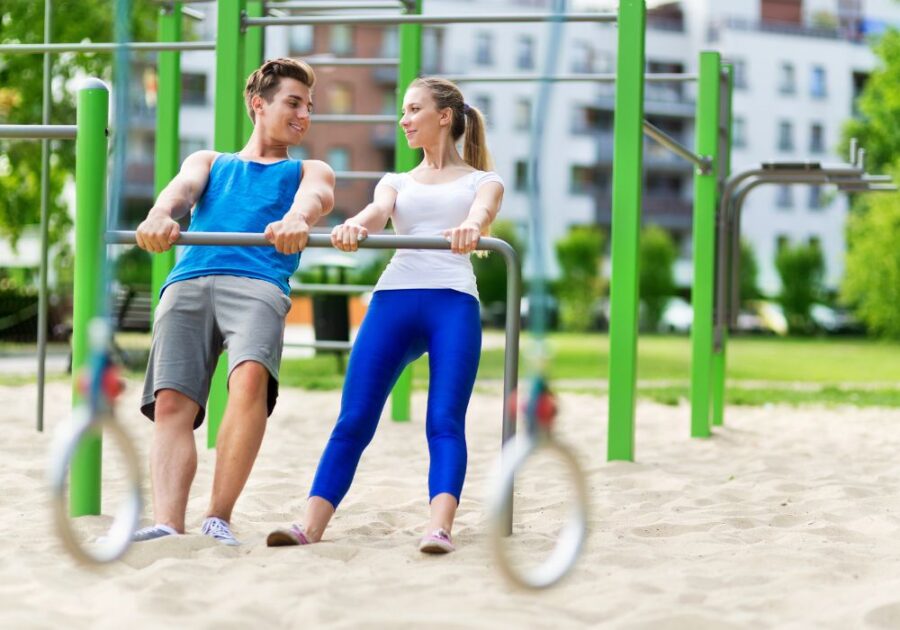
{"x":38,"y":132}
{"x":389,"y":20}
{"x":23,"y":49}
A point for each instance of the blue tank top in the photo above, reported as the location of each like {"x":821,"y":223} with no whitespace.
{"x":241,"y":196}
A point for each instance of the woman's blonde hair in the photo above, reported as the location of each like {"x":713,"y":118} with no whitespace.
{"x":467,"y":120}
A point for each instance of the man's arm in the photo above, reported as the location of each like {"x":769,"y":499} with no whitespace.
{"x":314,"y":199}
{"x":160,"y":229}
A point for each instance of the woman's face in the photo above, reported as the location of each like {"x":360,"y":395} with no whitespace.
{"x":422,"y":122}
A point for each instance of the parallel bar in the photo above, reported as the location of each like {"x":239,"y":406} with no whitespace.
{"x":38,"y":132}
{"x":504,"y":18}
{"x":351,"y":61}
{"x":354,"y":118}
{"x":45,"y":222}
{"x":24,"y":49}
{"x":626,"y":224}
{"x":340,"y":346}
{"x":658,"y":77}
{"x":334,"y":6}
{"x":701,"y":162}
{"x":706,"y":188}
{"x":333,"y":289}
{"x":370,"y":175}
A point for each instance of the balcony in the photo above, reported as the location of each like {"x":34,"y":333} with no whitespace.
{"x":672,"y":213}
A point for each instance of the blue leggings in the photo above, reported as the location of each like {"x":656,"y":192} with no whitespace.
{"x":399,"y":327}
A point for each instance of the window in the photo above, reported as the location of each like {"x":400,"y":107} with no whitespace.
{"x":817,"y":138}
{"x":740,"y":74}
{"x":587,"y":119}
{"x":340,"y":99}
{"x":341,"y":39}
{"x":525,"y":52}
{"x":388,"y":102}
{"x":784,"y":197}
{"x":738,"y":132}
{"x":301,"y":39}
{"x":298,"y":152}
{"x":523,"y":114}
{"x":817,"y":87}
{"x":193,"y":88}
{"x":785,"y":136}
{"x":521,"y":182}
{"x":431,"y":50}
{"x":781,"y":242}
{"x":586,"y":179}
{"x":583,"y":57}
{"x":339,"y":158}
{"x":786,"y":79}
{"x":815,"y":197}
{"x":483,"y":103}
{"x":189,"y":145}
{"x":390,"y":43}
{"x":484,"y":49}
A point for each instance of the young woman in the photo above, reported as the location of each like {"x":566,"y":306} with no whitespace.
{"x":425,"y":301}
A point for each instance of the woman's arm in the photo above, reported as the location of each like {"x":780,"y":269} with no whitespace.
{"x":373,"y":218}
{"x":464,"y":237}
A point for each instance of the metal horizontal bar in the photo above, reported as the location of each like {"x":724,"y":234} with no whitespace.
{"x":703,"y":163}
{"x":337,"y":61}
{"x":866,"y":187}
{"x":22,"y":49}
{"x":509,"y":18}
{"x":38,"y":132}
{"x":566,"y":78}
{"x":332,"y":289}
{"x":334,"y":6}
{"x":194,"y":14}
{"x":354,"y":118}
{"x":375,"y":241}
{"x":373,"y":175}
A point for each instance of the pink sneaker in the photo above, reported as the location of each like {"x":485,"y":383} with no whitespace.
{"x":437,"y":541}
{"x":287,"y":537}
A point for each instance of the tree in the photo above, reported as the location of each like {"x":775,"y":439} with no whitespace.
{"x":657,"y":276}
{"x":872,"y":282}
{"x":802,"y":270}
{"x":21,"y":87}
{"x":580,"y":284}
{"x":748,"y":273}
{"x":872,"y":277}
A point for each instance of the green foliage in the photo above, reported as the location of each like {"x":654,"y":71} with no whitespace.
{"x":490,"y":271}
{"x":879,"y":105}
{"x":657,"y":276}
{"x":748,"y":273}
{"x":872,"y":281}
{"x":21,"y":87}
{"x":580,"y":284}
{"x":368,"y":274}
{"x":802,"y":270}
{"x":133,"y":268}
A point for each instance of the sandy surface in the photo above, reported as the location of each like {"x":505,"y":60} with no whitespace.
{"x":787,"y":518}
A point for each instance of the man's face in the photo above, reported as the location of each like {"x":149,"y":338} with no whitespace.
{"x":286,"y":119}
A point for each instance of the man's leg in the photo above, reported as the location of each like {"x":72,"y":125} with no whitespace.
{"x":240,"y":436}
{"x":173,"y":457}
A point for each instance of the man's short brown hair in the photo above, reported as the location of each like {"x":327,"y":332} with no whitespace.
{"x":265,"y":80}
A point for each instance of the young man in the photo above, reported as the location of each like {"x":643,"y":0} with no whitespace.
{"x":231,"y":298}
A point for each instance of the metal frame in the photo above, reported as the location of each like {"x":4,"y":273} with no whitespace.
{"x":331,"y":6}
{"x":390,"y":20}
{"x":23,"y":49}
{"x":38,"y":132}
{"x":575,"y":77}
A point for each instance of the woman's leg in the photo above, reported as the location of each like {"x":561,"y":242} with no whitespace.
{"x":454,"y":349}
{"x":388,"y":340}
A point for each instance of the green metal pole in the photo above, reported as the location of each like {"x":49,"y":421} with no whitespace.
{"x":253,"y":56}
{"x":719,"y":361}
{"x":90,"y":257}
{"x":228,"y":135}
{"x":704,"y":234}
{"x":405,"y":159}
{"x":628,"y":142}
{"x":168,"y":97}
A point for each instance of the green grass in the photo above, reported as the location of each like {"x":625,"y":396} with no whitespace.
{"x":832,"y":371}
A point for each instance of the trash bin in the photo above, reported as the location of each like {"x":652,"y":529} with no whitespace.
{"x":331,"y":311}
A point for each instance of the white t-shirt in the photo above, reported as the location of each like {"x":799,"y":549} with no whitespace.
{"x":428,"y":210}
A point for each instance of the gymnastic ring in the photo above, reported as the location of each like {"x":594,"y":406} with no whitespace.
{"x":118,"y":539}
{"x":571,"y":539}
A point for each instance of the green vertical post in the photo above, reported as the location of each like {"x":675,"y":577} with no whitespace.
{"x":168,"y":97}
{"x":719,"y":361}
{"x":253,"y":56}
{"x":91,"y":149}
{"x":405,"y":159}
{"x":704,"y":234}
{"x":228,"y":135}
{"x":628,"y":144}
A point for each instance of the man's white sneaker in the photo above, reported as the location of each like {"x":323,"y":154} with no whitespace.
{"x":153,"y":532}
{"x":220,"y":530}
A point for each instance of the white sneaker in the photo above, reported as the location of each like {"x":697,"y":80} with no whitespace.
{"x":153,"y":532}
{"x":220,"y":530}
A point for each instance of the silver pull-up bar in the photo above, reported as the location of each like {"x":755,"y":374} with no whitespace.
{"x":38,"y":132}
{"x":390,"y":20}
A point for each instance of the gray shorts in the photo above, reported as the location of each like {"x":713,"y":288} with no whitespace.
{"x":199,"y":318}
